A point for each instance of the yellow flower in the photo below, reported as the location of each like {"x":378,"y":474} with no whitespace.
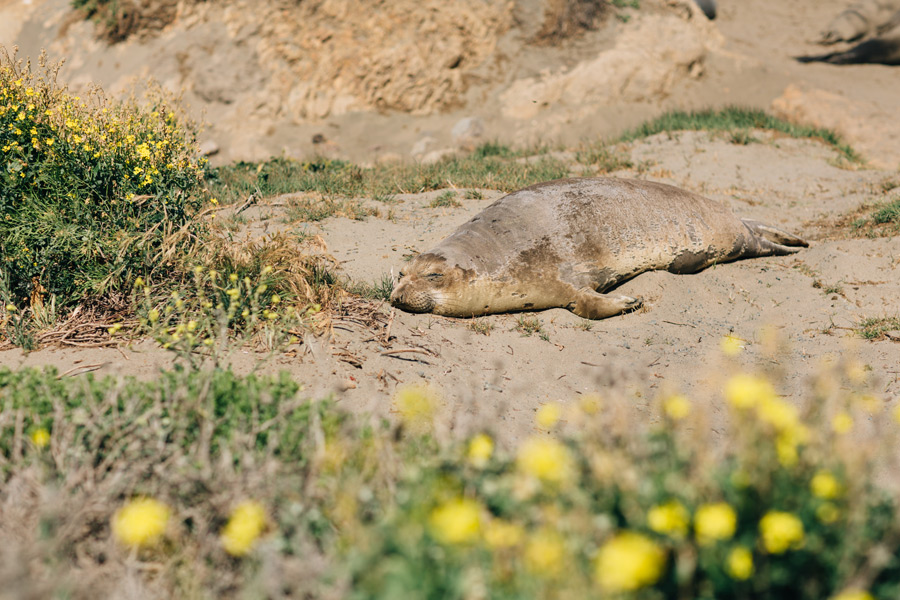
{"x":590,"y":404}
{"x":870,"y":403}
{"x":481,"y":447}
{"x":781,"y":531}
{"x":503,"y":534}
{"x":677,"y":407}
{"x":245,"y":525}
{"x":456,"y":522}
{"x":740,"y":563}
{"x":746,"y":391}
{"x":628,"y":562}
{"x":731,"y":345}
{"x":153,"y":315}
{"x":141,"y":522}
{"x":824,"y":485}
{"x":548,"y":415}
{"x":546,"y":459}
{"x":853,"y":595}
{"x":828,"y":513}
{"x":786,"y":450}
{"x":139,"y":282}
{"x":842,"y":423}
{"x":670,"y":518}
{"x":544,"y":553}
{"x":714,"y":522}
{"x":417,"y":405}
{"x":40,"y":437}
{"x":777,"y":412}
{"x":214,"y":201}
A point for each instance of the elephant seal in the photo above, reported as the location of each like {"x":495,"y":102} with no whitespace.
{"x":884,"y":50}
{"x":559,"y":244}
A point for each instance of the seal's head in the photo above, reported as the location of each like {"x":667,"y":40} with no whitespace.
{"x":431,"y":284}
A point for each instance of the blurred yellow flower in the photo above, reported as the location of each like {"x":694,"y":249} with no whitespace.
{"x":842,"y":423}
{"x":417,"y":405}
{"x":714,"y":522}
{"x":746,"y":391}
{"x":786,"y":450}
{"x":781,"y":531}
{"x":481,"y":448}
{"x":544,"y":553}
{"x":503,"y":534}
{"x":853,"y":595}
{"x":825,"y":485}
{"x":828,"y":513}
{"x":546,"y":459}
{"x":777,"y":413}
{"x":140,"y":522}
{"x":740,"y":563}
{"x":456,"y":522}
{"x":40,"y":437}
{"x":870,"y":403}
{"x":677,"y":407}
{"x":671,"y":518}
{"x":548,"y":415}
{"x":590,"y":404}
{"x":245,"y":525}
{"x":628,"y":562}
{"x":731,"y":345}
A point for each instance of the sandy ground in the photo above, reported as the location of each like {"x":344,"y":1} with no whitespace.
{"x":673,"y":343}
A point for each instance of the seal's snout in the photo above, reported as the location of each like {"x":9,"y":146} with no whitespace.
{"x":407,"y":297}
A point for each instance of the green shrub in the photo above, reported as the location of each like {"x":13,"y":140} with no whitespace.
{"x":89,"y":188}
{"x":785,"y":509}
{"x":600,"y":501}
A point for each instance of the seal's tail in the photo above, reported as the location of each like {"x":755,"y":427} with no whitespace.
{"x":773,"y":240}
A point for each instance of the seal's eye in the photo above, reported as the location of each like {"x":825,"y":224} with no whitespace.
{"x":434,"y":276}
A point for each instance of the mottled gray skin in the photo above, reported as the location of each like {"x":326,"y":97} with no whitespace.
{"x":860,"y":19}
{"x":560,"y":244}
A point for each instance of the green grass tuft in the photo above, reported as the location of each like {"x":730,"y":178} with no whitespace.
{"x":493,"y":167}
{"x":874,"y":328}
{"x":735,"y":118}
{"x":887,"y":213}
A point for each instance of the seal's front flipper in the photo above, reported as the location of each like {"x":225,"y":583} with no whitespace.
{"x":589,"y":304}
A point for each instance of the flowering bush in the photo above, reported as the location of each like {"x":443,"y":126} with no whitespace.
{"x":222,"y":483}
{"x":89,"y":188}
{"x":786,"y":510}
{"x":218,"y":314}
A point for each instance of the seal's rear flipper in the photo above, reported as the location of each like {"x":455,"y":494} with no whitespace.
{"x":589,"y":304}
{"x":773,"y":234}
{"x":773,"y":240}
